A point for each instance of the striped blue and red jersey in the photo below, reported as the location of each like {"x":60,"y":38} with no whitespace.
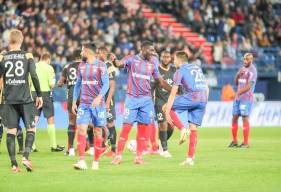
{"x":193,"y":82}
{"x":249,"y":74}
{"x":92,"y":80}
{"x":140,"y":74}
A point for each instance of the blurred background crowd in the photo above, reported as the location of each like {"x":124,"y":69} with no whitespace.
{"x":60,"y":26}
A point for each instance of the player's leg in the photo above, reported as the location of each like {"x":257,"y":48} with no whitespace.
{"x":246,"y":132}
{"x":234,"y":128}
{"x":82,"y":120}
{"x":152,"y":138}
{"x":145,"y":119}
{"x":29,"y":121}
{"x":37,"y":113}
{"x":90,"y":139}
{"x":13,"y":117}
{"x":20,"y":139}
{"x":98,"y":116}
{"x":195,"y":117}
{"x":170,"y":131}
{"x":48,"y":110}
{"x":246,"y":108}
{"x":112,"y":138}
{"x":129,"y":117}
{"x":1,"y":130}
{"x":71,"y":133}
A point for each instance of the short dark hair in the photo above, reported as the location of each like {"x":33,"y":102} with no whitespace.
{"x":103,"y":48}
{"x":146,"y":44}
{"x":182,"y":55}
{"x":76,"y":55}
{"x":165,"y":52}
{"x":91,"y":46}
{"x":45,"y":56}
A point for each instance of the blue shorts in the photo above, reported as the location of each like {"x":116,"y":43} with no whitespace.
{"x":88,"y":114}
{"x":196,"y":110}
{"x":139,"y":110}
{"x":242,"y":108}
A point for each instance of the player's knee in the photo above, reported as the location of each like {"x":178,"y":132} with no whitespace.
{"x":98,"y":132}
{"x":245,"y":118}
{"x":192,"y":126}
{"x":30,"y":129}
{"x":51,"y":120}
{"x":110,"y":123}
{"x":12,"y":131}
{"x":235,"y":118}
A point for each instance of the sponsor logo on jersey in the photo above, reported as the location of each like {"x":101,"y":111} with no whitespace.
{"x":141,"y":76}
{"x":15,"y":81}
{"x":94,"y":82}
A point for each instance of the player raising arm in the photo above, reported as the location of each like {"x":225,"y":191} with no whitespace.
{"x":138,"y":105}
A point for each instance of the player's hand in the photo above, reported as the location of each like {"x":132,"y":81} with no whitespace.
{"x":74,"y":108}
{"x":168,"y":118}
{"x":39,"y":102}
{"x":112,"y":57}
{"x":97,"y":101}
{"x":107,"y":107}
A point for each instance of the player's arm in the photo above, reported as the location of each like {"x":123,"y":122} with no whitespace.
{"x":51,"y":78}
{"x":112,"y":86}
{"x":170,"y":102}
{"x":237,"y":76}
{"x":245,"y":89}
{"x":34,"y":79}
{"x":118,"y":63}
{"x":63,"y":78}
{"x":76,"y":92}
{"x":104,"y":87}
{"x":163,"y":84}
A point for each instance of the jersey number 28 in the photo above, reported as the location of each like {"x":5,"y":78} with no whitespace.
{"x":19,"y":70}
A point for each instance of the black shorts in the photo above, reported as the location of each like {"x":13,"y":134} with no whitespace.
{"x":13,"y":113}
{"x":111,"y":115}
{"x":159,"y":113}
{"x":2,"y":115}
{"x":48,"y":105}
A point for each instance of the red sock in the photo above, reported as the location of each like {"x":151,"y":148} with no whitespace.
{"x":123,"y":138}
{"x":81,"y":146}
{"x":192,"y":143}
{"x":246,"y":131}
{"x":177,"y":122}
{"x":98,"y":148}
{"x":141,"y":138}
{"x":234,"y":131}
{"x":152,"y":137}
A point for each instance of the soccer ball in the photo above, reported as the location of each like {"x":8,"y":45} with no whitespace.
{"x":132,"y":146}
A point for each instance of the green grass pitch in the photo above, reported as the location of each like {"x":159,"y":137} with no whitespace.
{"x":217,"y":168}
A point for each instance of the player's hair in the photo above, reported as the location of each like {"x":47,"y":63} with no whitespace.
{"x":182,"y":55}
{"x":146,"y":44}
{"x":15,"y":36}
{"x":248,"y":54}
{"x":76,"y":55}
{"x":45,"y":56}
{"x":165,"y":52}
{"x":103,"y":48}
{"x":91,"y":46}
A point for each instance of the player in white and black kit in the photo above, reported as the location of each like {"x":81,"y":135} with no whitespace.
{"x":110,"y":103}
{"x":167,"y":71}
{"x":69,"y":77}
{"x":15,"y":67}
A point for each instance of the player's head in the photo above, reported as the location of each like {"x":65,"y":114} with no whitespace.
{"x":103,"y":53}
{"x":248,"y":59}
{"x":165,"y":58}
{"x":181,"y":57}
{"x":76,"y":55}
{"x":88,"y":50}
{"x":15,"y":37}
{"x":46,"y":57}
{"x":147,"y":49}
